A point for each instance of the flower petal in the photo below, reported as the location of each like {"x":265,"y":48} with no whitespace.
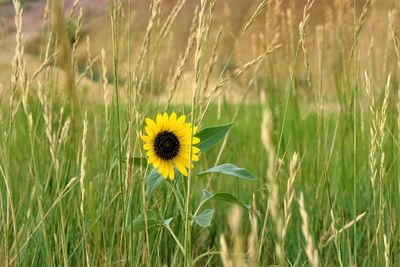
{"x":171,"y":172}
{"x":165,"y":122}
{"x":148,"y":146}
{"x":151,"y":159}
{"x":186,"y":148}
{"x":165,"y":170}
{"x":160,"y":122}
{"x":149,"y":131}
{"x":151,"y":124}
{"x":146,"y":138}
{"x":156,"y":162}
{"x":186,"y":156}
{"x":180,"y":166}
{"x":172,"y":122}
{"x":150,"y":153}
{"x":161,"y":167}
{"x":182,"y":160}
{"x":181,"y":119}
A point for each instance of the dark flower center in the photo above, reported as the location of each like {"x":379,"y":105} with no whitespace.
{"x":166,"y":145}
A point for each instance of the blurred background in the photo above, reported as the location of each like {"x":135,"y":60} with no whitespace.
{"x":333,"y":21}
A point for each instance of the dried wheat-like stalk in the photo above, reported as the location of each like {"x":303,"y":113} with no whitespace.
{"x":302,"y":29}
{"x":359,"y":26}
{"x":213,"y":60}
{"x":382,"y":126}
{"x":18,"y":67}
{"x":183,"y":62}
{"x":290,"y":192}
{"x":336,"y":232}
{"x":387,"y":251}
{"x":65,"y":131}
{"x":226,"y":261}
{"x":312,"y":253}
{"x":320,"y":37}
{"x":89,"y":66}
{"x":252,"y":238}
{"x":202,"y":71}
{"x":83,"y":163}
{"x":74,"y":7}
{"x":171,"y":18}
{"x":273,"y":199}
{"x":155,"y":9}
{"x":234,"y":224}
{"x":273,"y":18}
{"x":266,"y":129}
{"x":240,"y":70}
{"x":255,"y":14}
{"x":374,"y":133}
{"x":18,"y":63}
{"x":378,"y":134}
{"x":222,"y":84}
{"x":48,"y":118}
{"x":46,"y":15}
{"x":290,"y":22}
{"x":233,"y":258}
{"x":106,"y":90}
{"x":395,"y":36}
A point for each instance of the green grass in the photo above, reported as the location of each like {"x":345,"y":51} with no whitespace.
{"x":53,"y":231}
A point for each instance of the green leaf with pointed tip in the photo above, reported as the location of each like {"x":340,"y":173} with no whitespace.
{"x":204,"y":218}
{"x":154,"y":180}
{"x":138,"y":224}
{"x":210,"y":136}
{"x":207,"y":194}
{"x":227,"y":197}
{"x":167,"y":221}
{"x":230,"y":169}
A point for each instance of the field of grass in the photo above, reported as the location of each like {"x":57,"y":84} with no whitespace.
{"x":309,"y":107}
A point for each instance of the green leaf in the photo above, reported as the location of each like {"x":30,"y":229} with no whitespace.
{"x":207,"y":194}
{"x":204,"y":218}
{"x":154,"y":180}
{"x":228,"y":197}
{"x":230,"y":169}
{"x":167,"y":221}
{"x":138,"y":224}
{"x":210,"y":136}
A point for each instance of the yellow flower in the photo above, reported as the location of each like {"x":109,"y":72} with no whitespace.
{"x":168,"y":142}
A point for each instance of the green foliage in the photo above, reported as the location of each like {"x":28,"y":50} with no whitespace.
{"x":227,"y":197}
{"x":154,"y":180}
{"x":139,"y":223}
{"x":230,"y":169}
{"x":204,"y":218}
{"x":210,"y":136}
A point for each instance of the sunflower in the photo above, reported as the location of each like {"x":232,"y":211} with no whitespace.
{"x":168,"y":142}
